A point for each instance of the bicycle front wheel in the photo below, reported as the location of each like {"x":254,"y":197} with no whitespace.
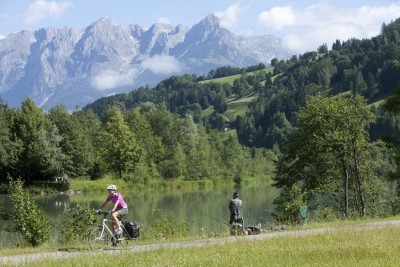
{"x":97,"y":239}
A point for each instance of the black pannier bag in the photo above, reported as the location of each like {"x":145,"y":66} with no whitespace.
{"x":132,"y":228}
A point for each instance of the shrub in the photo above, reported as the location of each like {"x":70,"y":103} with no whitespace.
{"x":77,"y":223}
{"x":326,"y":214}
{"x":288,"y":205}
{"x":27,"y":218}
{"x":167,"y":225}
{"x":395,"y":203}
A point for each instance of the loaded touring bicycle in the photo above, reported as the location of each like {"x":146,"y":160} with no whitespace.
{"x":102,"y":235}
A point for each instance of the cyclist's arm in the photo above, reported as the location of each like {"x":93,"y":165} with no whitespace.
{"x":104,"y":204}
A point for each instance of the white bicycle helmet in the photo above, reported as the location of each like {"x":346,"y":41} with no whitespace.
{"x":111,"y":187}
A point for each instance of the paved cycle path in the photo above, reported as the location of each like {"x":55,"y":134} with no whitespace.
{"x":26,"y":258}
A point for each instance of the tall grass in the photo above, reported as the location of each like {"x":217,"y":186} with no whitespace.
{"x":363,"y":247}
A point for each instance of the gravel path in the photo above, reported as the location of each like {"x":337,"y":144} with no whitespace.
{"x":19,"y":259}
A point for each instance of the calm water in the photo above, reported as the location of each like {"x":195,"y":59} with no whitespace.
{"x":204,"y":209}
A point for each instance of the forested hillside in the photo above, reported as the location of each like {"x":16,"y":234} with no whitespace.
{"x":367,"y":67}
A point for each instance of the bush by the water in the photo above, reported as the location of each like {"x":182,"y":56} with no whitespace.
{"x":25,"y":216}
{"x":77,"y":223}
{"x":167,"y":225}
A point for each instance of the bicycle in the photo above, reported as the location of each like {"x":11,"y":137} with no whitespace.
{"x":100,"y":236}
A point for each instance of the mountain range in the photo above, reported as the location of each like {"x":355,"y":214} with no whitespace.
{"x":75,"y":67}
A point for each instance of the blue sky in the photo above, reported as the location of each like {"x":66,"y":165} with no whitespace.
{"x":303,"y":25}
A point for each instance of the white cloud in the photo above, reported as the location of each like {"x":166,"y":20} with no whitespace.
{"x":162,"y":64}
{"x":2,"y":36}
{"x":277,"y":18}
{"x":164,"y":20}
{"x":305,"y":29}
{"x":41,"y":9}
{"x":110,"y":79}
{"x":229,"y":17}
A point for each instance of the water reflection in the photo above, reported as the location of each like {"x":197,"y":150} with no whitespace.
{"x":204,"y":209}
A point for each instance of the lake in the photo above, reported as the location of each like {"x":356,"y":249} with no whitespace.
{"x":203,"y":208}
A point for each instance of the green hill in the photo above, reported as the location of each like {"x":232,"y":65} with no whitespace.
{"x":267,"y":99}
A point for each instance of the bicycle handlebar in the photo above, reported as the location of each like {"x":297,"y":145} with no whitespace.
{"x":105,"y":213}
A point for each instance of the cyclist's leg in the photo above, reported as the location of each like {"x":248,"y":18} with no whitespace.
{"x":115,"y":220}
{"x":118,"y":216}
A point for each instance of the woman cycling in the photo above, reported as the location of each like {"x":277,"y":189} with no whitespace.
{"x":120,"y":207}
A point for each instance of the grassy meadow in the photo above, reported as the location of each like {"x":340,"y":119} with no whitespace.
{"x":230,"y":79}
{"x":346,"y":246}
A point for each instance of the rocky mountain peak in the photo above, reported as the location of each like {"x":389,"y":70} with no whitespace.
{"x":75,"y":67}
{"x":208,"y":27}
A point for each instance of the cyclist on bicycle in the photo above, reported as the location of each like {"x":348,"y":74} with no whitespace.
{"x":120,"y":207}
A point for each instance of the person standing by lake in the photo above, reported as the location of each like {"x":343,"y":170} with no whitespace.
{"x":235,"y":207}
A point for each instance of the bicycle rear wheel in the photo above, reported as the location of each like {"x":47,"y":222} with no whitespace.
{"x":98,"y":239}
{"x":126,"y":241}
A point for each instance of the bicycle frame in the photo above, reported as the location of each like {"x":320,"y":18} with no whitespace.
{"x":100,"y":235}
{"x":105,"y":227}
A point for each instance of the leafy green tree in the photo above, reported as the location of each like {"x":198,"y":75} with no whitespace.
{"x":393,"y":106}
{"x":330,"y":142}
{"x":220,"y":104}
{"x":120,"y":149}
{"x":323,"y":48}
{"x":92,"y":131}
{"x":8,"y":148}
{"x":50,"y":153}
{"x":166,"y":126}
{"x":26,"y":128}
{"x":233,"y":158}
{"x":142,"y":129}
{"x":199,"y":159}
{"x":75,"y":142}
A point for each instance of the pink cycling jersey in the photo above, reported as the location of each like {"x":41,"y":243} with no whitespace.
{"x":117,"y":196}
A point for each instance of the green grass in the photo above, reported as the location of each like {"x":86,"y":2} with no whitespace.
{"x":101,"y":184}
{"x":235,"y":107}
{"x":345,"y":247}
{"x":227,"y":79}
{"x":378,"y":103}
{"x":230,"y":79}
{"x":238,"y":107}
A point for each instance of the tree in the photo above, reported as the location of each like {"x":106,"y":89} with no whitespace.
{"x":150,"y":144}
{"x":75,"y":143}
{"x":92,"y":131}
{"x":26,"y":128}
{"x":288,"y":204}
{"x":120,"y":148}
{"x":220,"y":104}
{"x":233,"y":158}
{"x":50,"y":153}
{"x":330,"y":142}
{"x":199,"y":160}
{"x":8,"y":148}
{"x":323,"y":48}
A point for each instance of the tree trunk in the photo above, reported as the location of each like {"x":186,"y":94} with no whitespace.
{"x":360,"y":183}
{"x":345,"y":188}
